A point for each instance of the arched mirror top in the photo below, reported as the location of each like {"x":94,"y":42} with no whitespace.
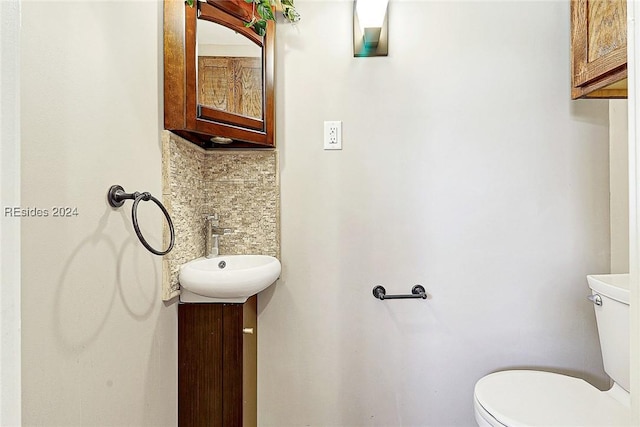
{"x":230,"y":15}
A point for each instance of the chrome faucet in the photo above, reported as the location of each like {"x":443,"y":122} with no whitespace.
{"x":212,"y":236}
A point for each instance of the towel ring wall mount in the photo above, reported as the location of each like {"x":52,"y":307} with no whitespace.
{"x":116,"y":197}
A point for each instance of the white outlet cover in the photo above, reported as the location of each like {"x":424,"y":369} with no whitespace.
{"x":333,"y":135}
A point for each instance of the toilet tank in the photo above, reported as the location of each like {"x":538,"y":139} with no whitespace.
{"x":612,"y":318}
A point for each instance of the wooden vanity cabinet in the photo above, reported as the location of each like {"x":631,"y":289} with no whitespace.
{"x":599,"y":48}
{"x":217,"y":364}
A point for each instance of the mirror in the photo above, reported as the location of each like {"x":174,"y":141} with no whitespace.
{"x":229,"y":71}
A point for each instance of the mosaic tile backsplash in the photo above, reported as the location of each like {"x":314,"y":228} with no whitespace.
{"x":241,"y":186}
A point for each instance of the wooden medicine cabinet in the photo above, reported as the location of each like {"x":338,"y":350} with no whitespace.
{"x":599,"y":48}
{"x":218,"y":75}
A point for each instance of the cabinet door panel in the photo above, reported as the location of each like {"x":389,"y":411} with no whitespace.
{"x":607,"y":27}
{"x":200,"y":365}
{"x":231,"y":86}
{"x":599,"y":44}
{"x":214,"y":90}
{"x":232,"y":374}
{"x":248,"y":86}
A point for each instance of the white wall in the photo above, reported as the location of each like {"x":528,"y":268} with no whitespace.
{"x":10,"y":387}
{"x":465,"y":168}
{"x":619,"y":185}
{"x":99,"y":346}
{"x":633,"y":53}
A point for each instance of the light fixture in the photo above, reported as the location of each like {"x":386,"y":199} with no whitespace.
{"x":370,"y":28}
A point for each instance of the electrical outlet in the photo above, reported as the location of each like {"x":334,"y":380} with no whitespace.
{"x":333,"y":135}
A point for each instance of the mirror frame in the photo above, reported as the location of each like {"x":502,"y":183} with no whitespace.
{"x":182,"y":114}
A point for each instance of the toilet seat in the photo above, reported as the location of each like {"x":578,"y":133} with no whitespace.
{"x":536,"y":398}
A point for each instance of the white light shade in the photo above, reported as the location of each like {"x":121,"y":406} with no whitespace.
{"x":370,"y":28}
{"x":371,"y":12}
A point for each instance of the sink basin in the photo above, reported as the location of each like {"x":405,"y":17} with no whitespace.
{"x":227,"y":278}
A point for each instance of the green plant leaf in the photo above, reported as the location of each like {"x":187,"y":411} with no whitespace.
{"x":190,"y":2}
{"x":264,"y":10}
{"x":291,"y":14}
{"x":260,"y":27}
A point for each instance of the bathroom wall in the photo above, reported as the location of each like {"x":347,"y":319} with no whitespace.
{"x":466,"y":168}
{"x":241,"y":186}
{"x":98,"y":345}
{"x":619,"y":185}
{"x":10,"y":388}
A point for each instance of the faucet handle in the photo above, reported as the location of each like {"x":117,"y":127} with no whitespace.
{"x":220,"y":231}
{"x":211,"y":219}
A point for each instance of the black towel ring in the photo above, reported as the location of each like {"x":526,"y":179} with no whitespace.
{"x":116,"y":197}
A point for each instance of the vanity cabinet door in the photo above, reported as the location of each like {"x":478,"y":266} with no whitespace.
{"x":240,"y":377}
{"x":217,"y":368}
{"x":599,"y":48}
{"x":200,"y":365}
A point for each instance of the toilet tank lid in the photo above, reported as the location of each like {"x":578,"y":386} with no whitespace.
{"x":615,"y":286}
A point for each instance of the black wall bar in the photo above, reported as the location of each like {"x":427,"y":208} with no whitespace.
{"x":417,"y":291}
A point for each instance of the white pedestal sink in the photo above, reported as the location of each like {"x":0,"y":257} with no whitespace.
{"x":227,"y":278}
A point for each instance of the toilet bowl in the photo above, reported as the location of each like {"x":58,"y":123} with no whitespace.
{"x":538,"y":398}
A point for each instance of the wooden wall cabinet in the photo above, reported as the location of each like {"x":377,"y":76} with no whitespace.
{"x":227,"y":95}
{"x":599,"y":48}
{"x":217,"y":364}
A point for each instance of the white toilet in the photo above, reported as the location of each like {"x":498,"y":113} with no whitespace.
{"x":536,"y":398}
